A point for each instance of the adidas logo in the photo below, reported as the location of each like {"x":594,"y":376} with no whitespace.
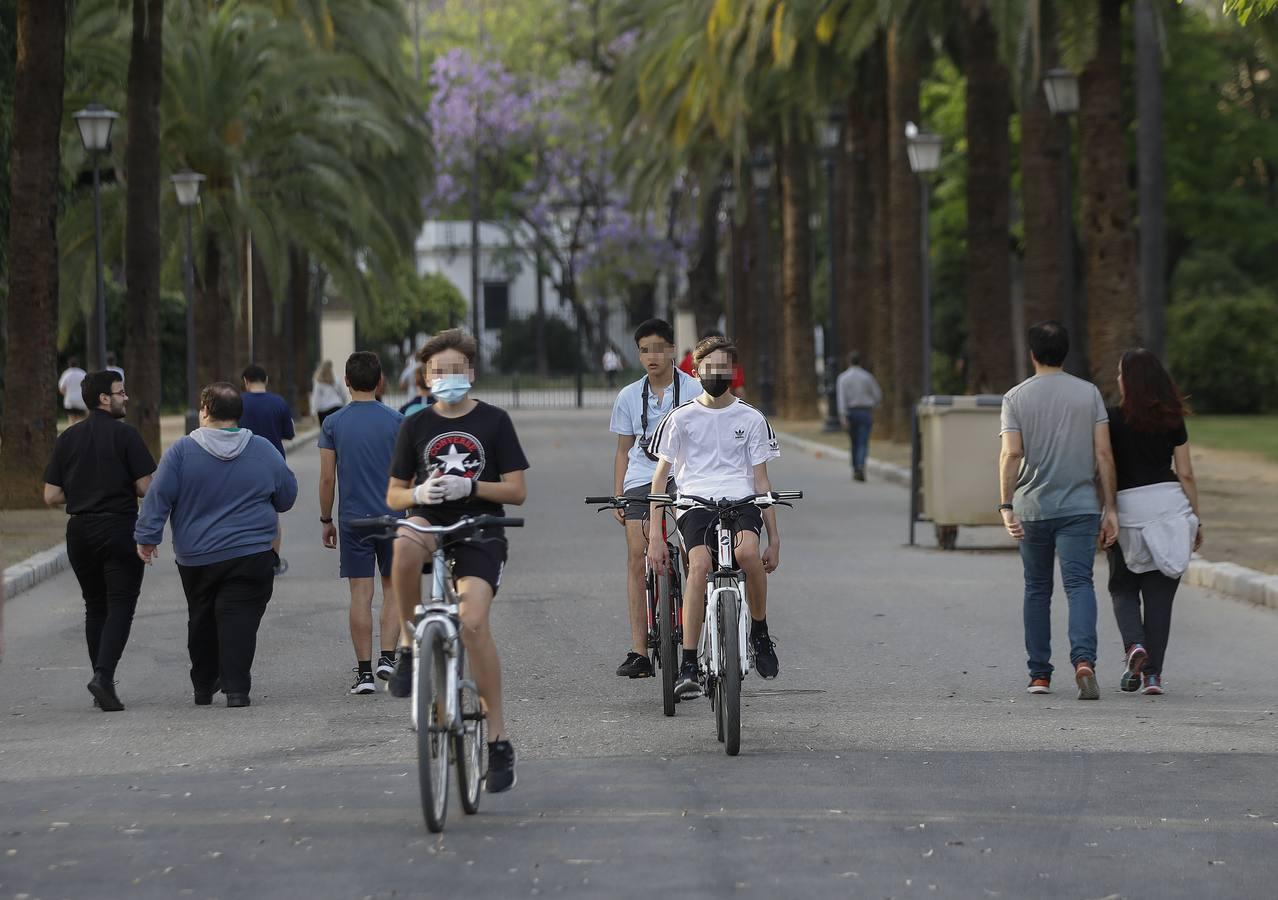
{"x":741,"y":434}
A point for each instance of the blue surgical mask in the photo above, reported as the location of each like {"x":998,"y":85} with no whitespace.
{"x":450,"y":388}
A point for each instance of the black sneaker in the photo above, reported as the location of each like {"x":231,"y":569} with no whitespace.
{"x":765,"y":655}
{"x":501,"y":767}
{"x":688,"y":684}
{"x":637,"y":665}
{"x":104,"y":696}
{"x":400,"y":684}
{"x":385,"y":666}
{"x":363,"y":682}
{"x":205,"y":697}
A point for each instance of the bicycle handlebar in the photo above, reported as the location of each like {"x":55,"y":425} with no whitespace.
{"x":391,"y":523}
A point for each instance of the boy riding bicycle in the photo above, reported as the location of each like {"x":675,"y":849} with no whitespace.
{"x":718,"y":446}
{"x":459,"y":457}
{"x":640,"y":407}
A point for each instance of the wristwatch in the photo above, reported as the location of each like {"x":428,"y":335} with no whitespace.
{"x":1003,"y":506}
{"x":326,"y":520}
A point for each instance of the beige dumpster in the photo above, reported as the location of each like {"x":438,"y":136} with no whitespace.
{"x":955,"y":471}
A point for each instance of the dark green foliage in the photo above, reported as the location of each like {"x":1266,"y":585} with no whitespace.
{"x":1223,"y":351}
{"x":518,"y":351}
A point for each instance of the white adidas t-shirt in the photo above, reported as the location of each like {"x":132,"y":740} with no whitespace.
{"x":713,"y":452}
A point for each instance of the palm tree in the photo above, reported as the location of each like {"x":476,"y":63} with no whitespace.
{"x":142,"y":253}
{"x":30,"y":420}
{"x":796,"y":393}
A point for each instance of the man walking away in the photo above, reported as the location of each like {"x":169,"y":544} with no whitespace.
{"x":355,"y":448}
{"x":1055,"y":434}
{"x":858,"y":395}
{"x":69,"y":386}
{"x":99,"y":470}
{"x":221,"y":488}
{"x":267,"y":415}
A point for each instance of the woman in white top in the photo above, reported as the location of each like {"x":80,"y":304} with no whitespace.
{"x":327,"y":396}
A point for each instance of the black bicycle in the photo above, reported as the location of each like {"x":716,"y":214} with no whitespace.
{"x":663,"y":596}
{"x":446,"y":710}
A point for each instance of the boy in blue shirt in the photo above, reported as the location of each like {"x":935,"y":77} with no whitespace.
{"x":355,"y":448}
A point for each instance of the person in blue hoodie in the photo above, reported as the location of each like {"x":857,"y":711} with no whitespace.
{"x":220,"y":488}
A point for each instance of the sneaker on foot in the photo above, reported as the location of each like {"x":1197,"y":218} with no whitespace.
{"x":501,"y":767}
{"x":400,"y":684}
{"x":637,"y":665}
{"x":1085,"y":676}
{"x":1039,"y":686}
{"x":1153,"y":684}
{"x":363,"y":682}
{"x":858,"y":475}
{"x":688,"y":684}
{"x":1136,"y":659}
{"x":103,"y":691}
{"x":765,"y":655}
{"x":385,"y":666}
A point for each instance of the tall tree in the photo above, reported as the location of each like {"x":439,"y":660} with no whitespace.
{"x":1113,"y":295}
{"x":142,"y":233}
{"x":30,"y":420}
{"x":796,"y":388}
{"x":989,"y":180}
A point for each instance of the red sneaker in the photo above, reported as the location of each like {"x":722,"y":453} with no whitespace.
{"x":1040,"y":686}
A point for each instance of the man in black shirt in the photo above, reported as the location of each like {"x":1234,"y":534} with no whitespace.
{"x":99,"y":469}
{"x":457,"y":458}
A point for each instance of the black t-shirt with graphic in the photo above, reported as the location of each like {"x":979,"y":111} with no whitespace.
{"x":481,"y":444}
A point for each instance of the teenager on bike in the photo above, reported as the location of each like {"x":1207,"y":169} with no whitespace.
{"x":457,"y":458}
{"x":718,"y":446}
{"x":639,"y":409}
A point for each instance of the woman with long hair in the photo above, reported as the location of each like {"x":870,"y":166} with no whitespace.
{"x":327,"y":396}
{"x":1159,"y":528}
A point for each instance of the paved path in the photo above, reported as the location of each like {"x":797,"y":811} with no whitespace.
{"x":897,"y":755}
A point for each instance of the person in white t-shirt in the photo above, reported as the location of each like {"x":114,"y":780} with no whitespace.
{"x":638,"y":411}
{"x":69,"y":383}
{"x":718,"y":446}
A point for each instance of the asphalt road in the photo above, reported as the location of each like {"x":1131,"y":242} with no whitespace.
{"x":896,"y":756}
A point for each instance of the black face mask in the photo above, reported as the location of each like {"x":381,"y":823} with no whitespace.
{"x":716,"y":385}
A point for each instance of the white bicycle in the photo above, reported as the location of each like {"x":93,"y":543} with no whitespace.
{"x":724,"y":659}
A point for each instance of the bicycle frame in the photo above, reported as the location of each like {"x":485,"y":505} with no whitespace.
{"x":710,"y":650}
{"x":445,"y":608}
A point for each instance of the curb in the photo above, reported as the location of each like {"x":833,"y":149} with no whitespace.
{"x":1232,"y":579}
{"x":42,"y":566}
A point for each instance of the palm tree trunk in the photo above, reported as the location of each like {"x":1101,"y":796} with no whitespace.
{"x":142,"y":230}
{"x":797,"y":387}
{"x":856,"y":201}
{"x":745,"y":262}
{"x":297,"y":354}
{"x":703,"y":274}
{"x":31,"y":366}
{"x":989,"y":178}
{"x":878,"y":167}
{"x":212,"y":315}
{"x":1113,"y":295}
{"x":1043,"y":151}
{"x":904,"y":228}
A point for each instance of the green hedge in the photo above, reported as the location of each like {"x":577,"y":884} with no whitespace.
{"x":1224,"y":351}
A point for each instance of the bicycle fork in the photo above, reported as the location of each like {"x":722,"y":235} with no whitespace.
{"x":710,"y":649}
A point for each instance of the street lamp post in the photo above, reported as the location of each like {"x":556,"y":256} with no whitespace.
{"x":831,"y":133}
{"x":761,"y":167}
{"x":95,"y":122}
{"x":1061,"y":88}
{"x":924,"y":150}
{"x":187,"y":186}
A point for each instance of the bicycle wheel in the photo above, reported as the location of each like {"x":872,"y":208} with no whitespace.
{"x":667,"y":646}
{"x":471,"y":746}
{"x":432,"y":729}
{"x":730,"y":677}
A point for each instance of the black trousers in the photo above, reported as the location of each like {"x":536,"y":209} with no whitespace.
{"x":225,"y":602}
{"x":105,"y":560}
{"x":1157,"y":591}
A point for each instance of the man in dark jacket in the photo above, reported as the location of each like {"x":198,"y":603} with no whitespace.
{"x":99,"y":469}
{"x":221,"y":488}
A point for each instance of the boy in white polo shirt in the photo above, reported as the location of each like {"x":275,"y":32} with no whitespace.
{"x":640,"y":407}
{"x":718,"y":447}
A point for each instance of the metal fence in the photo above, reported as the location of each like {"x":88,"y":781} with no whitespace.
{"x":536,"y":392}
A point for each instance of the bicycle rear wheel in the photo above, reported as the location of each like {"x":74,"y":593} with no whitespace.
{"x":431,"y":682}
{"x":471,"y":746}
{"x":730,"y":677}
{"x":667,"y":646}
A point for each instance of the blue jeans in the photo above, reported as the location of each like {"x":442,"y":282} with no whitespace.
{"x":1073,"y":540}
{"x":859,"y":424}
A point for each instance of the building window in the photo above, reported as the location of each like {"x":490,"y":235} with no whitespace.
{"x":496,"y":304}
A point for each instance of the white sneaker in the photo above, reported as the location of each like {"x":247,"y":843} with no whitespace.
{"x":363,"y":683}
{"x":385,"y":667}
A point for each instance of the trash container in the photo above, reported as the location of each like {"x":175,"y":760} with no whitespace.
{"x":955,"y":464}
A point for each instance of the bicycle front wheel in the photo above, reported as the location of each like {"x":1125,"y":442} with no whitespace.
{"x":470,"y":747}
{"x":730,"y":677}
{"x":432,"y":724}
{"x":667,"y":646}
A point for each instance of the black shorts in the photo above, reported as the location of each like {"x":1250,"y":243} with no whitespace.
{"x":485,"y":559}
{"x":696,"y":526}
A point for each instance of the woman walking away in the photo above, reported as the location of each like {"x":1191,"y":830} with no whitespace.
{"x":327,"y":395}
{"x":1158,"y":520}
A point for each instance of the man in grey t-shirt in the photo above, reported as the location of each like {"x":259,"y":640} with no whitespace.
{"x":1055,"y":433}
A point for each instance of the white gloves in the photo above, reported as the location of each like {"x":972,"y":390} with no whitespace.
{"x":442,"y":489}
